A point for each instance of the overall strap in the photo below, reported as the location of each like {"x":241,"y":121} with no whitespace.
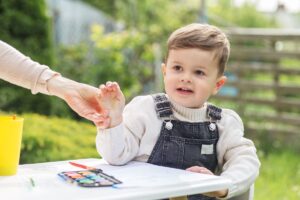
{"x":163,"y":106}
{"x":213,"y":112}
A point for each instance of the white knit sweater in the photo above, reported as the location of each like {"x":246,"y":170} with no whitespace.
{"x":22,"y":71}
{"x":135,"y":138}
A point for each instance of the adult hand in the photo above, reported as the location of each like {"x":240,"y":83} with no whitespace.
{"x":82,"y":98}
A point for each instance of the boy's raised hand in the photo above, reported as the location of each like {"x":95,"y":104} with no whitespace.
{"x":113,"y":102}
{"x":203,"y":170}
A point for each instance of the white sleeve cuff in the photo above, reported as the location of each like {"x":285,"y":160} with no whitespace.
{"x":114,"y":130}
{"x":41,"y":85}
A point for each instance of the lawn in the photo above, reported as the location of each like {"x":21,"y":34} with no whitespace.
{"x":279,"y":177}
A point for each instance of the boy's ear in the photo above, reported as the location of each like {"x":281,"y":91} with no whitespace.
{"x":220,"y":82}
{"x":163,"y":68}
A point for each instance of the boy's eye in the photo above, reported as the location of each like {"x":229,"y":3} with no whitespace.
{"x":199,"y":72}
{"x":177,"y":68}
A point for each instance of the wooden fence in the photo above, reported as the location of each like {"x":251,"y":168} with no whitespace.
{"x":264,"y":82}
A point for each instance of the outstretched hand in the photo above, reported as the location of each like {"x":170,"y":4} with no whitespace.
{"x":84,"y":101}
{"x":81,"y":98}
{"x":113,"y":103}
{"x":203,"y":170}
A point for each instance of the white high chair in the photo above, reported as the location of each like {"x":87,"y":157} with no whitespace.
{"x":248,"y":195}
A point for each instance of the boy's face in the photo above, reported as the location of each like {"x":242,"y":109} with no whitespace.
{"x":191,"y":76}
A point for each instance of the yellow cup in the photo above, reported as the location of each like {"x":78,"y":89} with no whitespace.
{"x":10,"y":144}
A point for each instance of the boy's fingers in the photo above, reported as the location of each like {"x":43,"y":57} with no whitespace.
{"x":117,"y":85}
{"x":104,"y":115}
{"x":93,"y":117}
{"x":114,"y":87}
{"x":194,"y":169}
{"x":103,"y":124}
{"x":199,"y":169}
{"x":108,"y":83}
{"x":102,"y":86}
{"x":101,"y":117}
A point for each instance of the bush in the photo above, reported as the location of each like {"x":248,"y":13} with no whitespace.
{"x":52,"y":138}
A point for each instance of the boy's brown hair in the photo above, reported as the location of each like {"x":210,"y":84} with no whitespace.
{"x":201,"y":36}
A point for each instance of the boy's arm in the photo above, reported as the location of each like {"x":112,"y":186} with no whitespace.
{"x":121,"y":144}
{"x":115,"y":142}
{"x":237,"y":156}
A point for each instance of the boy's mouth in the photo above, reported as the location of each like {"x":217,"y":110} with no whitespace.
{"x":184,"y":90}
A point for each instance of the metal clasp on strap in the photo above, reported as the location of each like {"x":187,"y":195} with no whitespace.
{"x":169,"y":125}
{"x":212,"y":126}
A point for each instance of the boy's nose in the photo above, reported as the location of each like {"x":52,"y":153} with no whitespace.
{"x":185,"y":78}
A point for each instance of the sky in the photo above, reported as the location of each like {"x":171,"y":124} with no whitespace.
{"x":271,"y":5}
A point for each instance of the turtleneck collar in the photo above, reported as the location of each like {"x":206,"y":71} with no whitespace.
{"x":188,"y":114}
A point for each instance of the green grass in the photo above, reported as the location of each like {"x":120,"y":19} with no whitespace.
{"x":279,"y":177}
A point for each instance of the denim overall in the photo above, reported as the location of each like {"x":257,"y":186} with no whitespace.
{"x":184,"y":144}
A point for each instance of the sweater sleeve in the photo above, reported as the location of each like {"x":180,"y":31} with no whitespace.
{"x":20,"y":70}
{"x":120,"y":144}
{"x":236,"y":154}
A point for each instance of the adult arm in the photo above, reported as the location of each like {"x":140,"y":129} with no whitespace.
{"x":20,"y":70}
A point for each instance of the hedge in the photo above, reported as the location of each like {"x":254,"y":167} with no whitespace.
{"x":52,"y":138}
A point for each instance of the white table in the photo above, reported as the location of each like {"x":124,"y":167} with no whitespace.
{"x":141,"y":181}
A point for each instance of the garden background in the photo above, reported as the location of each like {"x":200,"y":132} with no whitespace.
{"x":126,"y":40}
